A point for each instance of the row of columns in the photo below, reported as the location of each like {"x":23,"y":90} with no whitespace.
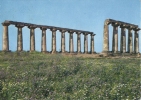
{"x":123,"y":27}
{"x":43,"y":40}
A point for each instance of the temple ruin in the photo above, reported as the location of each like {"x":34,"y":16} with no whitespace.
{"x":132,"y":45}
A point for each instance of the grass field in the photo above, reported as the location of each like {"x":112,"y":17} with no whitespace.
{"x":37,"y":76}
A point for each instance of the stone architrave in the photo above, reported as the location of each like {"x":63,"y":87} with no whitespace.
{"x":32,"y":37}
{"x":71,"y":42}
{"x":43,"y":39}
{"x":85,"y":42}
{"x":92,"y":43}
{"x":5,"y":46}
{"x":19,"y":37}
{"x":123,"y":39}
{"x":106,"y":37}
{"x":78,"y":42}
{"x":115,"y":38}
{"x":53,"y":40}
{"x":130,"y":40}
{"x":62,"y":40}
{"x":136,"y":41}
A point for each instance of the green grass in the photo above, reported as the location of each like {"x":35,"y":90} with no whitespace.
{"x":37,"y":76}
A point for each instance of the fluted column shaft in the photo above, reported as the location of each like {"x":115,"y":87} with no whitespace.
{"x":71,"y":42}
{"x":92,"y":43}
{"x":78,"y":42}
{"x":123,"y":40}
{"x":85,"y":42}
{"x":130,"y":41}
{"x":115,"y":38}
{"x":19,"y":38}
{"x":53,"y":40}
{"x":5,"y":46}
{"x":32,"y":38}
{"x":136,"y":41}
{"x":106,"y":38}
{"x":43,"y":43}
{"x":62,"y":41}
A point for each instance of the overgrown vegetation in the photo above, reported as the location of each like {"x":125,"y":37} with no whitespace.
{"x":36,"y":76}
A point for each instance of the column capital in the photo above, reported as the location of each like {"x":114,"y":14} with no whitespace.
{"x":123,"y":26}
{"x":85,"y":33}
{"x":32,"y":27}
{"x":136,"y":29}
{"x":92,"y":34}
{"x":78,"y":33}
{"x":53,"y":29}
{"x":19,"y":25}
{"x":5,"y":24}
{"x":130,"y":27}
{"x":43,"y":28}
{"x":71,"y":32}
{"x":62,"y":31}
{"x":115,"y":24}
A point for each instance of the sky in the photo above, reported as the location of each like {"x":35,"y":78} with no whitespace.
{"x":87,"y":15}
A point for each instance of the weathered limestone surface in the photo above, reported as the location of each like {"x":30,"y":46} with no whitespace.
{"x":78,"y":42}
{"x":123,"y":40}
{"x":136,"y":41}
{"x":5,"y":46}
{"x":32,"y":38}
{"x":63,"y":40}
{"x":19,"y":38}
{"x":85,"y":43}
{"x":115,"y":38}
{"x":71,"y":42}
{"x":130,"y":41}
{"x":92,"y":43}
{"x":106,"y":37}
{"x":43,"y":43}
{"x":53,"y":40}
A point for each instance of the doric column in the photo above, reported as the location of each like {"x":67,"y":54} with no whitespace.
{"x":123,"y":39}
{"x":85,"y":42}
{"x":78,"y":42}
{"x":32,"y":38}
{"x":71,"y":42}
{"x":106,"y":37}
{"x":115,"y":38}
{"x":19,"y":37}
{"x":53,"y":39}
{"x":92,"y":43}
{"x":130,"y":40}
{"x":62,"y":40}
{"x":5,"y":45}
{"x":43,"y":39}
{"x":136,"y":40}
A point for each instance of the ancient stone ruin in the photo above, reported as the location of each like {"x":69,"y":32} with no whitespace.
{"x":43,"y":28}
{"x":132,"y":49}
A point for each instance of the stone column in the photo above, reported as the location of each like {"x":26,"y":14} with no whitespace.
{"x":62,"y":40}
{"x":19,"y":37}
{"x":78,"y":42}
{"x":123,"y":39}
{"x":71,"y":42}
{"x":115,"y":38}
{"x":32,"y":38}
{"x":43,"y":39}
{"x":136,"y":41}
{"x":130,"y":40}
{"x":106,"y":37}
{"x":5,"y":45}
{"x":85,"y":42}
{"x":92,"y":43}
{"x":53,"y":40}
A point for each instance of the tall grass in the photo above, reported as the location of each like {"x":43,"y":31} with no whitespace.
{"x":36,"y":76}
